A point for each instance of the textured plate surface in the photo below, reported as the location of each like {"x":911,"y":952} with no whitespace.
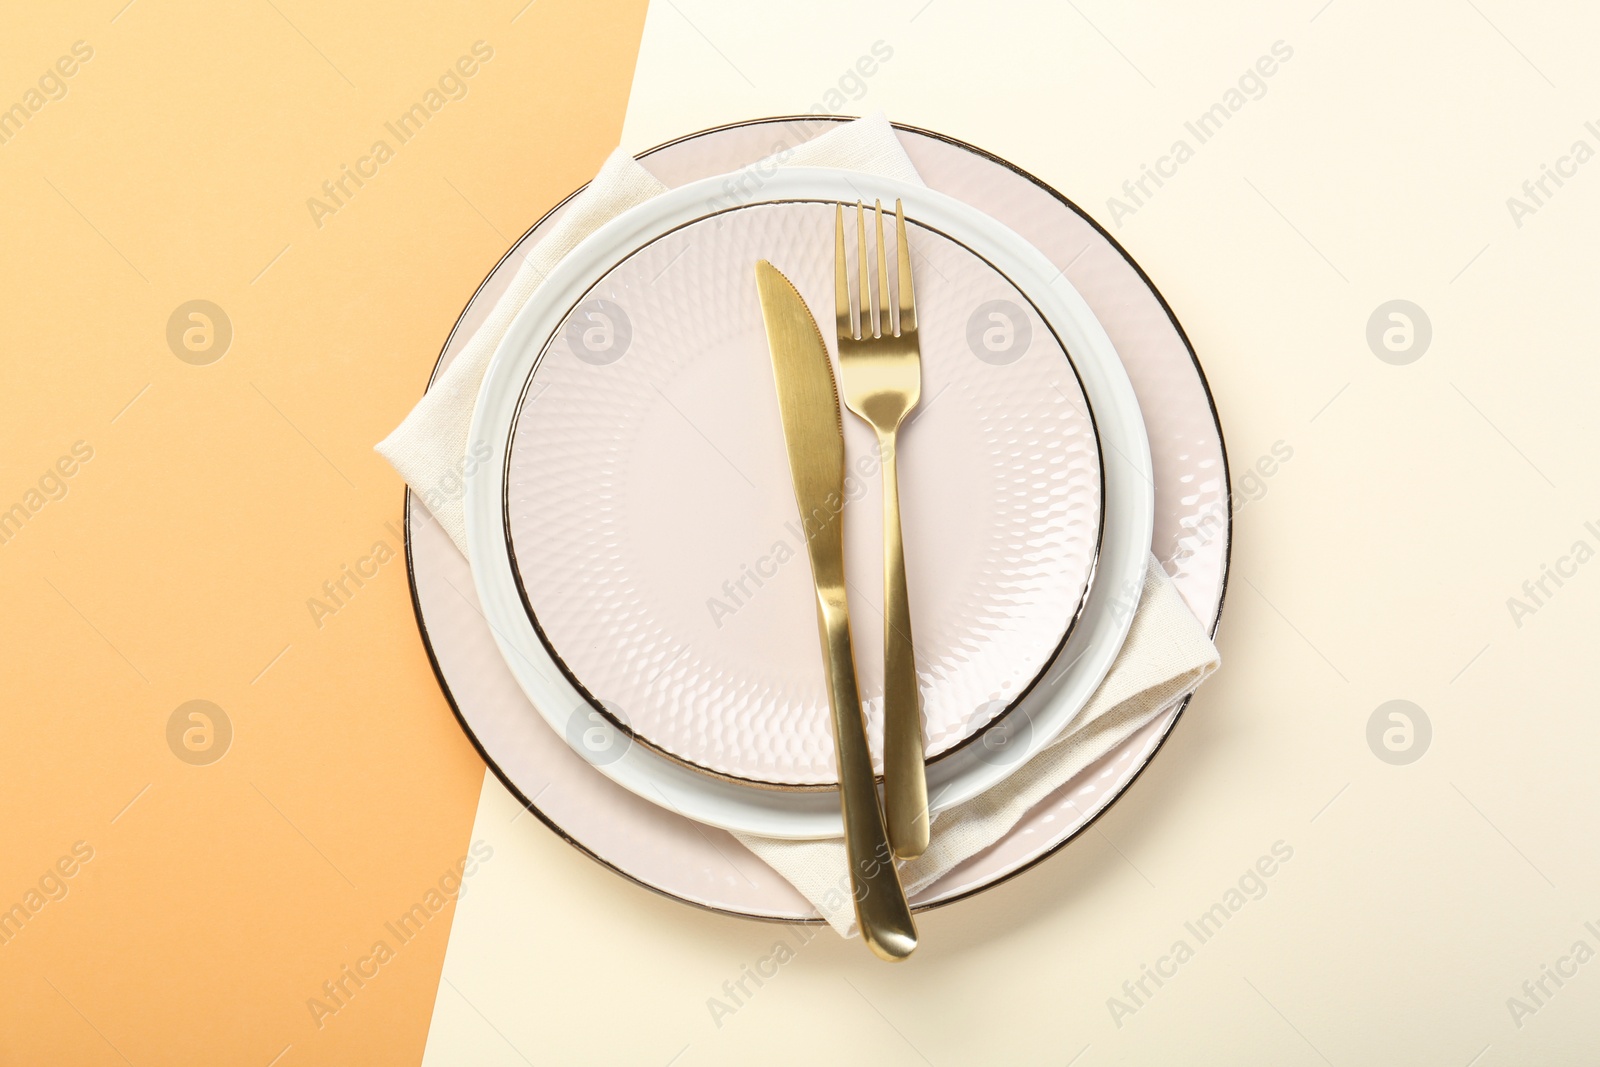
{"x":656,"y":535}
{"x":707,"y":867}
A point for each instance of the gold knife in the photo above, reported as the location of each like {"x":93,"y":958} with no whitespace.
{"x":814,"y":433}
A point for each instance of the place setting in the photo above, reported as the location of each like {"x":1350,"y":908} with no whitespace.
{"x":816,"y":520}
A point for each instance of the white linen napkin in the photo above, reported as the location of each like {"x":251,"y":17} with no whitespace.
{"x":1166,"y":656}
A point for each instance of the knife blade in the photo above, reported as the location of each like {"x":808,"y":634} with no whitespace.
{"x":813,"y":430}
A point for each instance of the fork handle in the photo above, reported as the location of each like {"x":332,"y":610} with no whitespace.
{"x":904,"y":773}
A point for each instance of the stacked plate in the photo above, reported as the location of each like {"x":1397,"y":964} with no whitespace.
{"x":633,"y":647}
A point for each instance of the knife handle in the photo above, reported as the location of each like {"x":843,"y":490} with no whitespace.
{"x":881,"y":908}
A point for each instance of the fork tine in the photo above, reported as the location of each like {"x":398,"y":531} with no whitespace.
{"x":841,"y":278}
{"x":865,"y":295}
{"x":908,"y":297}
{"x":885,"y":328}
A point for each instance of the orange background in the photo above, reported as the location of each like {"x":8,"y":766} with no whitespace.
{"x":220,"y":497}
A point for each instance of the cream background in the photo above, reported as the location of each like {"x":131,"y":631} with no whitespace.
{"x":1376,"y":567}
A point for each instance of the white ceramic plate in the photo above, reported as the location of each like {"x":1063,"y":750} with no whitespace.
{"x":706,"y":867}
{"x":1063,"y":687}
{"x":653,"y":523}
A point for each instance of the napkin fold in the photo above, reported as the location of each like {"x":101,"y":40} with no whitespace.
{"x":1167,"y":653}
{"x":430,"y":449}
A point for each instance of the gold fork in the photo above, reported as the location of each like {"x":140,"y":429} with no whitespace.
{"x":880,"y":371}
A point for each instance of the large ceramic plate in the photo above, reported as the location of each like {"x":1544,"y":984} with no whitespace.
{"x":653,"y":523}
{"x":733,"y":804}
{"x":706,"y":867}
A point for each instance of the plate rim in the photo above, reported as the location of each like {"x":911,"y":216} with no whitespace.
{"x":1215,"y":622}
